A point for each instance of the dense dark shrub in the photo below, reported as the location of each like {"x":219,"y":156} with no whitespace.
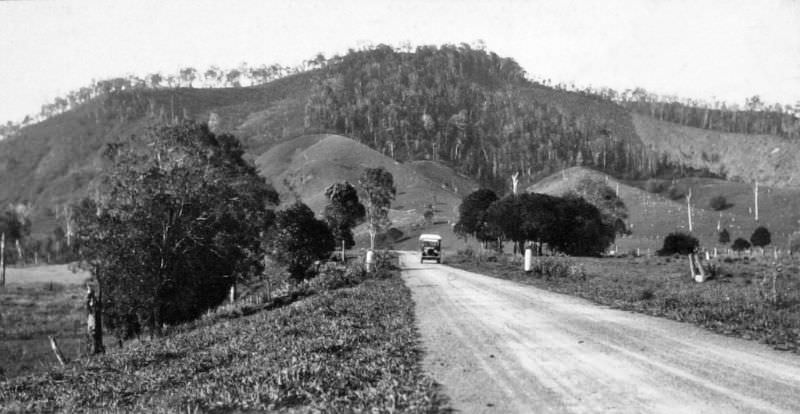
{"x":299,"y":239}
{"x":676,"y":192}
{"x":719,"y":203}
{"x":724,"y":236}
{"x":678,"y":243}
{"x":654,"y":186}
{"x":761,"y":237}
{"x":740,"y":244}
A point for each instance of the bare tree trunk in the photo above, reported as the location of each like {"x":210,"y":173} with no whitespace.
{"x":94,"y":323}
{"x":22,"y":259}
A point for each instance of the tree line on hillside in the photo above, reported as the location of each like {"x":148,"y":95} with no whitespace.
{"x":473,"y":110}
{"x":242,"y":75}
{"x":465,"y":107}
{"x":179,"y":216}
{"x":583,"y":222}
{"x":382,"y":64}
{"x":18,"y":247}
{"x":755,"y":117}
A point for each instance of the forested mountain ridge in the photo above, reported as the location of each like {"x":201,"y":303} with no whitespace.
{"x":467,"y":108}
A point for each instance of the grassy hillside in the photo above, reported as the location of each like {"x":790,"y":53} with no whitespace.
{"x":304,"y":167}
{"x":740,"y":157}
{"x":653,"y":216}
{"x":54,"y":161}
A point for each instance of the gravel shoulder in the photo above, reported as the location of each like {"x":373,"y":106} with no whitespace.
{"x":499,"y":346}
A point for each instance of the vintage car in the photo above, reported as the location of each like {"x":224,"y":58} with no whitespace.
{"x":430,"y":246}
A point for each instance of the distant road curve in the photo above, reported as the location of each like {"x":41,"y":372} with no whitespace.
{"x":498,"y":346}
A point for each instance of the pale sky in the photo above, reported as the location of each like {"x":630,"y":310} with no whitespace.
{"x":728,"y":49}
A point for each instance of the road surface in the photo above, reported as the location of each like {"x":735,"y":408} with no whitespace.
{"x":498,"y":346}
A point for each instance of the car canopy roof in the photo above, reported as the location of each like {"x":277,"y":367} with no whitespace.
{"x":430,"y":237}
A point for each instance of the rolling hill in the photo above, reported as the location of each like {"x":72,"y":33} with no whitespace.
{"x":303,"y":167}
{"x":445,"y":119}
{"x":770,"y":159}
{"x":653,"y":216}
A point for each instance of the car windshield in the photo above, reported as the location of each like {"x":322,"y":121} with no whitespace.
{"x":430,"y":244}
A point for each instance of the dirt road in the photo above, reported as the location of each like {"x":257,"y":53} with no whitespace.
{"x":498,"y":346}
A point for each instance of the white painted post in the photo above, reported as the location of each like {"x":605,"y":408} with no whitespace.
{"x":700,"y":277}
{"x":528,"y":259}
{"x":370,"y":259}
{"x":689,"y":208}
{"x":755,"y":191}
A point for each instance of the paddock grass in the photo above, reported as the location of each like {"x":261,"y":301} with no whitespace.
{"x":37,"y":303}
{"x":352,"y":348}
{"x":734,"y":302}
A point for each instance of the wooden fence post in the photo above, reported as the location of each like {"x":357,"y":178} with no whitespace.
{"x":57,"y":351}
{"x":3,"y":259}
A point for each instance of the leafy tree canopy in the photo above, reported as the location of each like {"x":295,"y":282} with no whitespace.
{"x":299,"y":239}
{"x":176,"y":217}
{"x":344,"y":212}
{"x":472,"y":214}
{"x":569,"y":224}
{"x":377,"y":184}
{"x":679,"y":243}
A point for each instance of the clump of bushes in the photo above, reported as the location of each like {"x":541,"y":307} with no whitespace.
{"x":558,"y":268}
{"x":676,"y":192}
{"x":678,"y":243}
{"x":724,"y":236}
{"x":761,"y":237}
{"x":740,"y":245}
{"x":719,"y":203}
{"x":654,"y":186}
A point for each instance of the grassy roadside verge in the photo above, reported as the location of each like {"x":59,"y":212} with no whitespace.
{"x":733,"y":303}
{"x":348,"y":349}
